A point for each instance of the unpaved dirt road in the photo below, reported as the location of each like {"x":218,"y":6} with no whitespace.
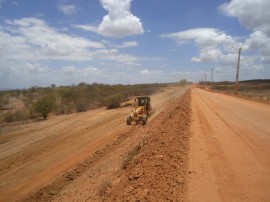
{"x":229,"y":149}
{"x":203,"y":147}
{"x":34,"y":155}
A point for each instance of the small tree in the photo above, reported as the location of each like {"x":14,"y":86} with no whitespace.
{"x":113,"y":101}
{"x":183,"y":82}
{"x":45,"y":105}
{"x":3,"y":102}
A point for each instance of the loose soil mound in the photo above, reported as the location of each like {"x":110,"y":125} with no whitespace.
{"x":159,"y":171}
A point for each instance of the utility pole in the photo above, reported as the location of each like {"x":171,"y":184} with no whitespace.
{"x":205,"y":78}
{"x":237,"y":72}
{"x":212,"y":77}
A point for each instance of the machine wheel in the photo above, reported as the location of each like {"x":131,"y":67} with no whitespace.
{"x":144,"y":120}
{"x":129,"y":120}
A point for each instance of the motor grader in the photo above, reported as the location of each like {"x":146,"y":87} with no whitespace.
{"x":143,"y":110}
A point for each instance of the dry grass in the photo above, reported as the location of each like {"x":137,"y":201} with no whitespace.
{"x":142,"y":140}
{"x":255,"y":90}
{"x":131,"y":154}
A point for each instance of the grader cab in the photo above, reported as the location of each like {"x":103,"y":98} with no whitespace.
{"x":143,"y":110}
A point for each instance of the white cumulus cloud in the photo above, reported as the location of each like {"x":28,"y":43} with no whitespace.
{"x":258,"y":40}
{"x":34,"y":39}
{"x":202,"y":36}
{"x":31,"y":51}
{"x":119,"y":22}
{"x":253,"y":14}
{"x":212,"y":43}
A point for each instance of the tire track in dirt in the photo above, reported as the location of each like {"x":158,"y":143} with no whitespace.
{"x":226,"y":186}
{"x":50,"y":142}
{"x":47,"y":193}
{"x":63,"y":157}
{"x":57,"y":148}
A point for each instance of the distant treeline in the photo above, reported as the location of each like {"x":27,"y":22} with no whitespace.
{"x":245,"y":85}
{"x":254,"y":81}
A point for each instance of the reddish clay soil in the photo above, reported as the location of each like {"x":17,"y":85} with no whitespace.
{"x":38,"y":160}
{"x":203,"y":146}
{"x":229,"y":149}
{"x":159,"y":171}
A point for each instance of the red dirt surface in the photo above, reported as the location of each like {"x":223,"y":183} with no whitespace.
{"x":204,"y":146}
{"x":159,"y":171}
{"x":229,"y":149}
{"x":39,"y":159}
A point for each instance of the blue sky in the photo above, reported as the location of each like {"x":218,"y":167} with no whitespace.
{"x":65,"y":42}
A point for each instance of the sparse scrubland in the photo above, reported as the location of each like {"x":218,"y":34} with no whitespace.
{"x":37,"y":102}
{"x":249,"y":88}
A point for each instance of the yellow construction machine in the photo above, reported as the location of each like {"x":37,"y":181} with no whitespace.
{"x":143,"y":110}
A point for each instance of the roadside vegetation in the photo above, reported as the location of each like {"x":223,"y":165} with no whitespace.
{"x":259,"y":88}
{"x":37,"y":102}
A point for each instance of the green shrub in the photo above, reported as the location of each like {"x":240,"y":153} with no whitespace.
{"x":68,"y":95}
{"x":45,"y":105}
{"x":64,"y":109}
{"x":113,"y":101}
{"x":81,"y":106}
{"x":183,"y":82}
{"x":19,"y":115}
{"x":9,"y":117}
{"x":3,"y":102}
